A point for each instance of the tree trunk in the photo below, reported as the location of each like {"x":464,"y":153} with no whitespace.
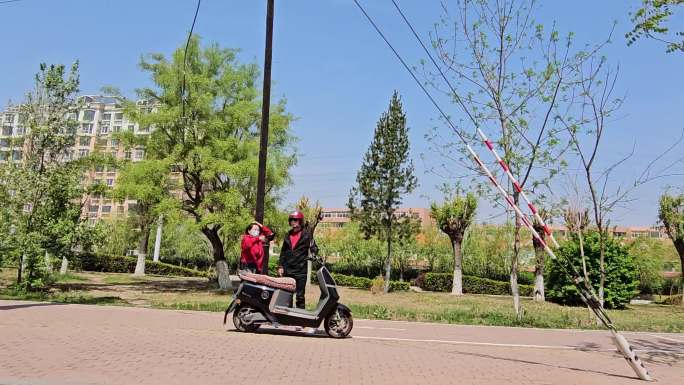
{"x":539,"y":273}
{"x":679,"y":245}
{"x":539,"y":261}
{"x":457,"y":283}
{"x":223,"y":274}
{"x":48,"y":263}
{"x":515,"y":291}
{"x":222,"y":270}
{"x":157,"y":239}
{"x":388,"y":262}
{"x":65,"y":266}
{"x":602,"y":264}
{"x":20,"y":269}
{"x":142,"y":251}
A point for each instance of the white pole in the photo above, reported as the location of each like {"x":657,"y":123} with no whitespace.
{"x":157,"y":240}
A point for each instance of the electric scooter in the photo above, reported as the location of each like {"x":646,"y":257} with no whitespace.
{"x":261,"y":299}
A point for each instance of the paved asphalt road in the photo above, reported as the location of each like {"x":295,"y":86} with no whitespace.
{"x":55,"y":344}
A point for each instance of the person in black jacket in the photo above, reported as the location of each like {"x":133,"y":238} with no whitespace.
{"x":295,"y":252}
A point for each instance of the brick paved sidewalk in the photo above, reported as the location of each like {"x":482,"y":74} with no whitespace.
{"x":53,"y":344}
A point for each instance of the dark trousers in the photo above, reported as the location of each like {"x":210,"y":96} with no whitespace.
{"x":251,"y":267}
{"x":300,"y":279}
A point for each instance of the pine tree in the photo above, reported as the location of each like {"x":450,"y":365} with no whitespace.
{"x":385,"y":176}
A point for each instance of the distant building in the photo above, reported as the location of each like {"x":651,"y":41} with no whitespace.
{"x":338,"y":217}
{"x":98,"y":118}
{"x":657,"y":232}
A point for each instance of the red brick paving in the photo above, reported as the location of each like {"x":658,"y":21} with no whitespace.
{"x":51,"y":344}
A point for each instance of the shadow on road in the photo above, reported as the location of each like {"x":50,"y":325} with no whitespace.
{"x":26,"y":305}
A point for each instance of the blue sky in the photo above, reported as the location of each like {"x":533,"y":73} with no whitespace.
{"x":336,"y":74}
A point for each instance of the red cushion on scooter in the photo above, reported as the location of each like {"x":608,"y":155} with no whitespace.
{"x":284,"y":283}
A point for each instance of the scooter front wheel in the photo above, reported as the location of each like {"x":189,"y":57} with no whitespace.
{"x":339,"y":323}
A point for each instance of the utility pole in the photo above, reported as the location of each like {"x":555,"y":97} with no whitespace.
{"x":265,"y":111}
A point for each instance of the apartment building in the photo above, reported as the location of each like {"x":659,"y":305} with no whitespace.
{"x":98,"y":119}
{"x":338,"y":217}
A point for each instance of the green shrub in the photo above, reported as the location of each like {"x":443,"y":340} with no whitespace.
{"x":621,"y":272}
{"x":119,"y":264}
{"x":362,"y":282}
{"x":472,"y":285}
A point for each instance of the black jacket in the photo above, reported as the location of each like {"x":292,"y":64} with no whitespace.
{"x":294,"y":260}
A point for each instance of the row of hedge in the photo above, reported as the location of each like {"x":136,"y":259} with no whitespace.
{"x":120,"y":264}
{"x":471,"y":284}
{"x":363,"y":282}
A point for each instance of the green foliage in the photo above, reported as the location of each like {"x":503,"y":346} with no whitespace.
{"x":121,"y":264}
{"x":650,"y":22}
{"x":41,"y":196}
{"x":649,"y":257}
{"x":385,"y":176}
{"x":471,"y":285}
{"x":455,"y":215}
{"x":206,"y":116}
{"x":621,"y":272}
{"x":362,"y":282}
{"x":183,"y":244}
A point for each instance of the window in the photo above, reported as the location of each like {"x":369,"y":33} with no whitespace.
{"x":116,"y":129}
{"x":118,"y":116}
{"x":93,"y":208}
{"x":106,"y":209}
{"x":127,"y":155}
{"x":83,"y":141}
{"x":99,"y":168}
{"x":3,"y":156}
{"x":88,"y":115}
{"x":87,"y":128}
{"x":107,"y":116}
{"x":138,"y":155}
{"x":83,"y":152}
{"x":18,"y":131}
{"x":4,"y":142}
{"x":131,"y":127}
{"x":110,"y":182}
{"x":7,"y":131}
{"x":120,"y":209}
{"x":115,"y":142}
{"x":145,"y":129}
{"x":16,"y":155}
{"x":9,"y":118}
{"x":104,"y":129}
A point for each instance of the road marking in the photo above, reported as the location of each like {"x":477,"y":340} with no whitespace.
{"x":561,"y":347}
{"x":667,"y":338}
{"x":374,"y":328}
{"x":524,"y":346}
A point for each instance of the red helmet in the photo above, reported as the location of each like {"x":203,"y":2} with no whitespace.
{"x":296,"y":215}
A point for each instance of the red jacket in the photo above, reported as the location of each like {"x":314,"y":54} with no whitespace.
{"x":253,"y":248}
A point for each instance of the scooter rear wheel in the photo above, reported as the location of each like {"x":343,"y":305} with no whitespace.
{"x":339,"y":323}
{"x":239,"y":321}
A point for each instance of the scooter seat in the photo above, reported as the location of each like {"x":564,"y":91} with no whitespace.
{"x":285,"y":283}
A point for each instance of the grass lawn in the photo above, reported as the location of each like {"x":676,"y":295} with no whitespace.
{"x":199,"y":294}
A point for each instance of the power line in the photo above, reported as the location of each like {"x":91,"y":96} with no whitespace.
{"x":9,"y":1}
{"x":185,"y":57}
{"x":413,"y":75}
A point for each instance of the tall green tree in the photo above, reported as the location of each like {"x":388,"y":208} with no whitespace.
{"x":650,"y":21}
{"x":147,"y":182}
{"x":42,"y":192}
{"x":672,"y":215}
{"x":386,"y":175}
{"x":205,"y":110}
{"x":453,"y":218}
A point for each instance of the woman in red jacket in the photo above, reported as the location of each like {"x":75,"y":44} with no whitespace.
{"x":252,"y":256}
